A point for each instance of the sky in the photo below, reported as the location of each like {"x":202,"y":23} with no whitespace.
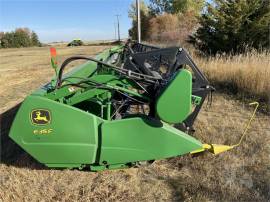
{"x":64,"y":20}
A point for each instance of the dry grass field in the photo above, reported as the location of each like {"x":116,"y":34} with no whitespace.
{"x":242,"y":174}
{"x":246,"y":75}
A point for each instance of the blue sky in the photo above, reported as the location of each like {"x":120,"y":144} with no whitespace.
{"x":64,"y":20}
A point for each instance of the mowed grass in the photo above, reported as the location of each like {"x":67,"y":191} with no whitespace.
{"x":241,"y":174}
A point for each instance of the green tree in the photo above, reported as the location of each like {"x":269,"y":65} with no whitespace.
{"x":34,"y":39}
{"x":158,"y":7}
{"x":21,"y":38}
{"x":7,"y":40}
{"x":2,"y":34}
{"x":184,"y":6}
{"x":233,"y":25}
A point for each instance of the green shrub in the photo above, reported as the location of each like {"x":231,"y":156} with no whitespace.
{"x":21,"y":37}
{"x":233,"y":26}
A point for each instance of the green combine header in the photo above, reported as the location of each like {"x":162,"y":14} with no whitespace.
{"x":131,"y":104}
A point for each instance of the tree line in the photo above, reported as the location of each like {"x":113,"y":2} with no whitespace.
{"x":219,"y":26}
{"x":21,"y":37}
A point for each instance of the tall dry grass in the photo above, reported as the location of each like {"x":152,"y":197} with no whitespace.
{"x":244,"y":74}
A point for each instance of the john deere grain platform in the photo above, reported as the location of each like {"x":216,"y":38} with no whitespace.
{"x":119,"y":109}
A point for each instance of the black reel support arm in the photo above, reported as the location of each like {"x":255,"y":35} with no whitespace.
{"x":151,"y":59}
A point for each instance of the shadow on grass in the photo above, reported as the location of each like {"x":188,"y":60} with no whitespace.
{"x":10,"y":152}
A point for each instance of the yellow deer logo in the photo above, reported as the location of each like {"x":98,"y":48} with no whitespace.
{"x":40,"y":116}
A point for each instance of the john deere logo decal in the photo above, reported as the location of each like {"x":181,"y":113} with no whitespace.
{"x":40,"y":117}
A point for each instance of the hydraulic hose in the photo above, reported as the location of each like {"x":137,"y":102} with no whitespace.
{"x":127,"y":73}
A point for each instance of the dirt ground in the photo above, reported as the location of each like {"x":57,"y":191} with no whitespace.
{"x":242,"y":174}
